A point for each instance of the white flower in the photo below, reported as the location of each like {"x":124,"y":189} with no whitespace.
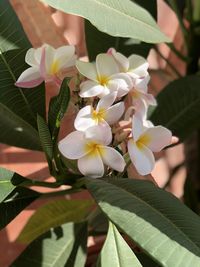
{"x":103,"y":77}
{"x":46,"y":63}
{"x":136,"y":66}
{"x":144,"y":141}
{"x":104,"y":113}
{"x":141,"y":99}
{"x":92,"y":151}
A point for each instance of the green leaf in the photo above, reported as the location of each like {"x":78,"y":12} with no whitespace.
{"x":14,"y":203}
{"x":8,"y":181}
{"x":178,"y":106}
{"x":18,"y":107}
{"x":157,"y":221}
{"x":99,"y":42}
{"x":45,"y":138}
{"x":54,"y":214}
{"x":57,"y":108}
{"x":116,"y":252}
{"x":125,"y":19}
{"x":64,"y":246}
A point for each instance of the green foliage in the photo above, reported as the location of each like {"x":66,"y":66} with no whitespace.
{"x":57,"y":108}
{"x":99,"y":42}
{"x":178,"y":106}
{"x":14,"y":203}
{"x":149,"y":216}
{"x":116,"y":252}
{"x":18,"y":107}
{"x":125,"y":19}
{"x":52,"y":215}
{"x":64,"y":246}
{"x":45,"y":138}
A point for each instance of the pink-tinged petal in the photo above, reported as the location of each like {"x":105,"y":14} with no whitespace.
{"x":114,"y":113}
{"x":91,"y":165}
{"x":29,"y":78}
{"x":138,"y":65}
{"x":56,"y":80}
{"x":106,"y":101}
{"x":84,"y":119}
{"x":141,"y":157}
{"x":113,"y":159}
{"x":30,"y":58}
{"x":137,"y":127}
{"x":159,"y":137}
{"x":100,"y":134}
{"x":111,"y":50}
{"x":73,"y":145}
{"x":150,"y":99}
{"x":140,"y":107}
{"x":87,"y":69}
{"x":106,"y":65}
{"x":90,"y":89}
{"x":65,"y":56}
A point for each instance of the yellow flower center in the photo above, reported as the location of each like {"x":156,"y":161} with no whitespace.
{"x":103,"y":80}
{"x":93,"y":149}
{"x":98,"y":116}
{"x":54,"y":67}
{"x":144,"y":140}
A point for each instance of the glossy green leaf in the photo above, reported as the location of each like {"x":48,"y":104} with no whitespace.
{"x":57,"y":108}
{"x":99,"y":42}
{"x":64,"y":246}
{"x":54,"y":214}
{"x":8,"y":181}
{"x":116,"y":252}
{"x":18,"y":107}
{"x":45,"y":138}
{"x":14,"y":203}
{"x":125,"y":19}
{"x":178,"y":106}
{"x":158,"y":222}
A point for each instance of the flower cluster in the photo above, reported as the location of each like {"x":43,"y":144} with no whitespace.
{"x":117,"y":88}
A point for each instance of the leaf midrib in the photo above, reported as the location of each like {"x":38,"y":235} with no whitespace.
{"x":158,"y":212}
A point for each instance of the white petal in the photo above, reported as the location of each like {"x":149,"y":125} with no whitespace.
{"x":101,"y":134}
{"x":113,"y":159}
{"x":87,"y":69}
{"x":142,"y":158}
{"x":106,"y":101}
{"x":114,"y":113}
{"x":124,"y":83}
{"x":140,"y":107}
{"x":159,"y":136}
{"x":30,"y":57}
{"x":38,"y":54}
{"x":142,"y":84}
{"x":84,"y":119}
{"x":106,"y":65}
{"x":65,"y":55}
{"x":138,"y":65}
{"x":121,"y":60}
{"x":29,"y":78}
{"x":49,"y":57}
{"x":73,"y":145}
{"x":150,"y":99}
{"x":91,"y":165}
{"x":90,"y":89}
{"x":137,"y":127}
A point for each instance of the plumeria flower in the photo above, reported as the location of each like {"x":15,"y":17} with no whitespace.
{"x":140,"y":97}
{"x":92,"y":151}
{"x":47,"y":63}
{"x":104,"y":77}
{"x":136,"y":66}
{"x":104,"y":113}
{"x":144,"y":141}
